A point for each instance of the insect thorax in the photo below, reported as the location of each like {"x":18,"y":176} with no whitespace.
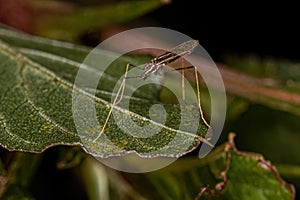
{"x":150,"y":68}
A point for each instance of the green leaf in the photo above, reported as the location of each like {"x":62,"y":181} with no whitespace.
{"x":36,"y":87}
{"x":73,"y":20}
{"x":247,"y":175}
{"x":66,"y":50}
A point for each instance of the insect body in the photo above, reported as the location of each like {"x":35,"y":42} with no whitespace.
{"x":156,"y":64}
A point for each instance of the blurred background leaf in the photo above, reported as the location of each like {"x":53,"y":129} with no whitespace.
{"x":248,"y":176}
{"x":68,"y":20}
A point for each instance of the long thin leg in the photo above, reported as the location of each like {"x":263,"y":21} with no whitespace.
{"x":182,"y":82}
{"x":198,"y":97}
{"x":198,"y":90}
{"x":115,"y":102}
{"x":198,"y":93}
{"x":131,"y":65}
{"x":181,"y":68}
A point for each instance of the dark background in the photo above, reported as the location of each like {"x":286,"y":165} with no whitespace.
{"x":267,"y":30}
{"x":245,"y":27}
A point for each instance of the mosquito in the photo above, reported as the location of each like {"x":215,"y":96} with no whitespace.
{"x":155,"y":66}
